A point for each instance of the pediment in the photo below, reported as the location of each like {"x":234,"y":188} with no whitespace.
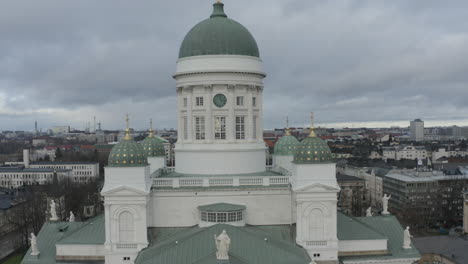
{"x":121,"y":191}
{"x":317,"y":187}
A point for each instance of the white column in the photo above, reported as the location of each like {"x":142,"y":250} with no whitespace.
{"x":249,"y":119}
{"x":180,"y":108}
{"x":209,"y":116}
{"x":231,"y":120}
{"x":260,"y":114}
{"x":189,"y":114}
{"x":107,"y":218}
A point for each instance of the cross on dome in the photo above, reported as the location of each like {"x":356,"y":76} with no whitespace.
{"x":127,"y":129}
{"x":312,"y":129}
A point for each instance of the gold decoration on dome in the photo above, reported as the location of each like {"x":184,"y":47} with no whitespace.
{"x":312,"y":129}
{"x":151,"y":131}
{"x":288,"y":131}
{"x":127,"y":130}
{"x":218,"y":1}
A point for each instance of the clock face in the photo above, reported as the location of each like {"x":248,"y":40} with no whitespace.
{"x":219,"y":100}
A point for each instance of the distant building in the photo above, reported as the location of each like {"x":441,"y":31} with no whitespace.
{"x":60,"y":129}
{"x":417,"y":130}
{"x":426,"y":198}
{"x":352,"y":196}
{"x":81,"y":172}
{"x":14,"y":177}
{"x":442,"y":249}
{"x":405,"y":152}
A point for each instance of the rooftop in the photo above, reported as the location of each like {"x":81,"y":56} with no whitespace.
{"x":451,"y":247}
{"x":30,"y":170}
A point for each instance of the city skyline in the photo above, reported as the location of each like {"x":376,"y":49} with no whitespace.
{"x":358,"y":63}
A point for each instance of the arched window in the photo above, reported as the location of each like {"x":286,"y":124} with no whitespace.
{"x":126,"y":227}
{"x":316,"y":226}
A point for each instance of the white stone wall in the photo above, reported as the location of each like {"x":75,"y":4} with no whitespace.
{"x":362,"y":245}
{"x":176,"y":208}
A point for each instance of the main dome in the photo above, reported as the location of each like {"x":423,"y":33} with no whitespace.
{"x":218,"y":35}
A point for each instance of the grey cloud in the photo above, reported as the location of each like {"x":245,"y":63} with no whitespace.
{"x":348,"y":60}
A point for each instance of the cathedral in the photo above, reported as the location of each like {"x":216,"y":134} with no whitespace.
{"x":221,"y":203}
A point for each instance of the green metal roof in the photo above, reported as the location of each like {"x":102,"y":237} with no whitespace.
{"x":312,"y":150}
{"x":127,"y":153}
{"x":92,"y":232}
{"x":221,"y":207}
{"x":350,"y":228}
{"x":153,"y":146}
{"x":390,"y":227}
{"x":286,"y":146}
{"x":46,"y":240}
{"x":248,"y":246}
{"x":218,"y":35}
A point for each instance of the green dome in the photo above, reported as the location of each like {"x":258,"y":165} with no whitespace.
{"x":286,"y":146}
{"x":312,"y":150}
{"x":127,"y":153}
{"x":218,"y":35}
{"x":153,"y":146}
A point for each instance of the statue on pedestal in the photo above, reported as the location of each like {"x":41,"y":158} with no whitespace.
{"x":222,"y":245}
{"x":385,"y":199}
{"x":72,"y":217}
{"x":369,"y":211}
{"x":53,"y":211}
{"x":407,"y":238}
{"x":34,"y":248}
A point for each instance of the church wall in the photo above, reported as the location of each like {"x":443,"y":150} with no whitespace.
{"x":283,"y":162}
{"x":156,"y":163}
{"x":179,"y":208}
{"x":74,"y":250}
{"x":348,"y":246}
{"x":214,"y":162}
{"x":306,"y":175}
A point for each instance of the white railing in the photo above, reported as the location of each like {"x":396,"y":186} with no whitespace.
{"x":220,"y":181}
{"x":122,"y":246}
{"x":316,"y":243}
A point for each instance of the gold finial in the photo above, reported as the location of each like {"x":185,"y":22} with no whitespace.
{"x":151,"y":134}
{"x":312,"y":129}
{"x":288,"y":131}
{"x":218,"y":1}
{"x":127,"y":130}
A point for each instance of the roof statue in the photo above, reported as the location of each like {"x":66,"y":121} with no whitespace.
{"x":72,"y":217}
{"x":369,"y":211}
{"x":53,"y":211}
{"x":222,"y":245}
{"x":385,"y":199}
{"x":34,"y":248}
{"x":407,"y":238}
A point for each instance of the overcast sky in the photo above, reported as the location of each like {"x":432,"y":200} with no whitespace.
{"x":63,"y":62}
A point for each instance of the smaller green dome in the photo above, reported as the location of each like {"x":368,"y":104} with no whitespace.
{"x":312,"y":150}
{"x":127,"y":153}
{"x":286,"y":145}
{"x":153,"y":146}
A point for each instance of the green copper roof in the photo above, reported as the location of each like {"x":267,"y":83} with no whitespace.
{"x":153,"y":146}
{"x":286,"y":146}
{"x":90,"y":233}
{"x":248,"y":246}
{"x":312,"y":150}
{"x":218,"y":35}
{"x":221,"y":207}
{"x":49,"y":235}
{"x":127,"y":153}
{"x":350,"y":228}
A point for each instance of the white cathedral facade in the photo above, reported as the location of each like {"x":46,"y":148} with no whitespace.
{"x":281,"y":214}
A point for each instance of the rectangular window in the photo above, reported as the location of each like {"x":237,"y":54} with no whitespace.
{"x":185,"y":101}
{"x":221,"y":218}
{"x":232,"y":217}
{"x":211,"y":217}
{"x":240,"y":100}
{"x":254,"y":127}
{"x":204,"y":216}
{"x":239,"y":216}
{"x":240,"y":127}
{"x":254,"y":101}
{"x":185,"y":126}
{"x":220,"y":127}
{"x":200,"y":128}
{"x":199,"y":101}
